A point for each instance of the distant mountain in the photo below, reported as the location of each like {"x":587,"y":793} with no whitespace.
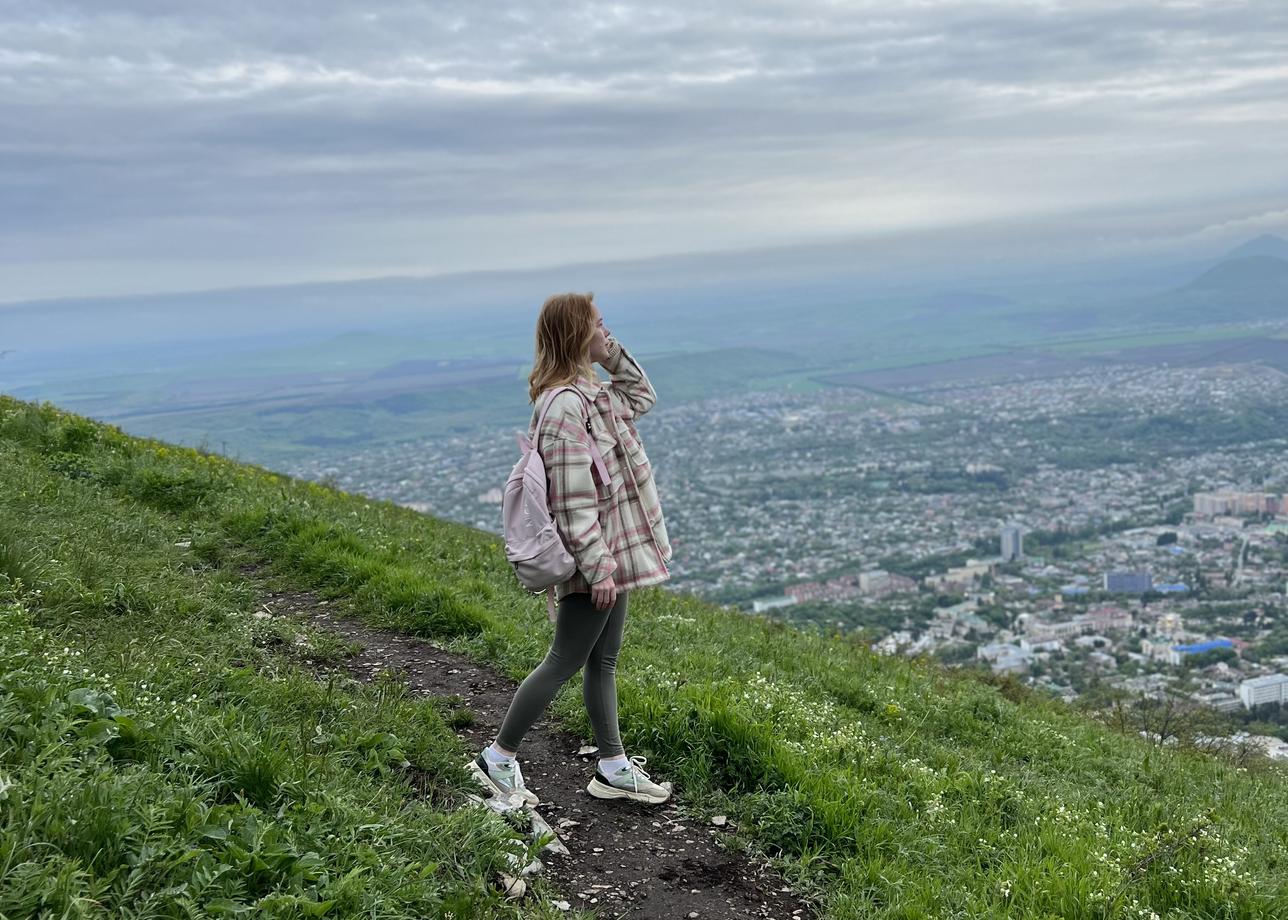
{"x":823,"y":300}
{"x":1243,"y":289}
{"x":1257,"y":274}
{"x":838,"y":291}
{"x":1265,"y":245}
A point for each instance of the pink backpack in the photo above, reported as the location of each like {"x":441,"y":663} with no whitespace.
{"x":532,"y":541}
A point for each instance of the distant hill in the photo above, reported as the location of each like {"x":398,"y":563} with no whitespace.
{"x":1243,"y":289}
{"x":1255,"y":274}
{"x":1268,"y":244}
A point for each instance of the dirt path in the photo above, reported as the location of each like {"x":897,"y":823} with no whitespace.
{"x":626,"y":859}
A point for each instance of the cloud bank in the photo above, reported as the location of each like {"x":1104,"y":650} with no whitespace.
{"x":152,"y":146}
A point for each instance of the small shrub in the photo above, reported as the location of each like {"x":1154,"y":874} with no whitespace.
{"x":171,"y":489}
{"x":70,"y":464}
{"x":421,"y":605}
{"x":461,"y":718}
{"x":254,"y":769}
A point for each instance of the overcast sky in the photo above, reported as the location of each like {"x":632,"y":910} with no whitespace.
{"x":165,"y":145}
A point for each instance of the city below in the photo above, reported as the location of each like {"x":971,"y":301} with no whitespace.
{"x":1116,"y":533}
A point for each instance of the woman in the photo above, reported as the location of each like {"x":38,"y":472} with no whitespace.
{"x":613,"y":529}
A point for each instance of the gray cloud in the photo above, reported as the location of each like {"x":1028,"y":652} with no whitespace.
{"x":151,"y":145}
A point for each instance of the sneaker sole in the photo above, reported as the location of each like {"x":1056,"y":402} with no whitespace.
{"x":481,"y":775}
{"x":601,"y":791}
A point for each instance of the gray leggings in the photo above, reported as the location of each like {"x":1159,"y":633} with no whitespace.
{"x":586,"y":637}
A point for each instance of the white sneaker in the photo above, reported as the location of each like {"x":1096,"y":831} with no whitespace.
{"x":630,"y":782}
{"x":502,"y":778}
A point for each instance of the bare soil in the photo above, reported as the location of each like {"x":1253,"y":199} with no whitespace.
{"x":626,"y":859}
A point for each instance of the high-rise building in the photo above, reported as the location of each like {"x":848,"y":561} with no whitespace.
{"x":1257,"y":691}
{"x":873,"y":581}
{"x":1012,"y":543}
{"x":1128,"y":582}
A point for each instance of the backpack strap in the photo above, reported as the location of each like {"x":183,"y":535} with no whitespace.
{"x":596,"y":457}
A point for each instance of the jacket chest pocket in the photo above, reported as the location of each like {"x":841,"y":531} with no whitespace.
{"x":634,"y":454}
{"x":634,"y":450}
{"x":607,"y":445}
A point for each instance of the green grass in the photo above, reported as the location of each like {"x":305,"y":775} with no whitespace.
{"x":892,"y":789}
{"x":164,"y":753}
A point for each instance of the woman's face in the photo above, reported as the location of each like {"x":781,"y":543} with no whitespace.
{"x":599,"y":341}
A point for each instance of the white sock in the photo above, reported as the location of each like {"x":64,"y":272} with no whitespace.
{"x":492,"y":755}
{"x":610,"y":765}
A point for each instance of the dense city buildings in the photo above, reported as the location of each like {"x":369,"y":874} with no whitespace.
{"x":1136,"y":516}
{"x":1228,"y":504}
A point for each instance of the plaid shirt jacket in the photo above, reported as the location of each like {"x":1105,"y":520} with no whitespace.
{"x":615,"y":527}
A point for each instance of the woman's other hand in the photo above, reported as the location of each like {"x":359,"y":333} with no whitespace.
{"x":603,"y":594}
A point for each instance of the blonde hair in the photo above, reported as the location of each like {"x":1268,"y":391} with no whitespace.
{"x":565,"y":330}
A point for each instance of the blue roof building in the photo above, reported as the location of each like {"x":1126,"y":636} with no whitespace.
{"x":1176,"y":654}
{"x":1203,"y":646}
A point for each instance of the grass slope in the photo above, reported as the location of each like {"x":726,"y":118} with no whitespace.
{"x":138,"y":692}
{"x":164,"y":753}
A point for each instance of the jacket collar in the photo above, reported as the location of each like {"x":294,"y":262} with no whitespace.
{"x":588,"y":388}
